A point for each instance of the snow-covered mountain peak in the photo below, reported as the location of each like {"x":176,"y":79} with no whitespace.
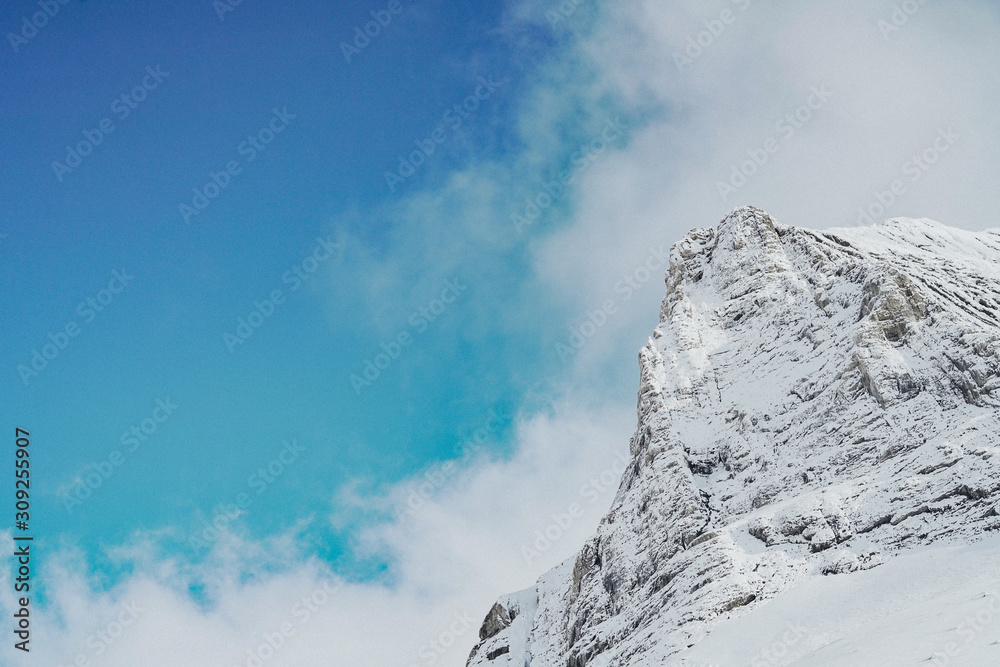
{"x":811,"y":403}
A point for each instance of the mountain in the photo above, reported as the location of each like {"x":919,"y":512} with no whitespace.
{"x":816,"y":410}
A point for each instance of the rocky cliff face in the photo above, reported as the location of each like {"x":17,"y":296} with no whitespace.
{"x":811,"y":404}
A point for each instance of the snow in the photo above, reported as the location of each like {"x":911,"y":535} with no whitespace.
{"x":817,"y":417}
{"x":934,"y":606}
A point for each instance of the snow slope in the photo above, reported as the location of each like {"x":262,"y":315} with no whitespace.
{"x":929,"y":606}
{"x":813,"y":407}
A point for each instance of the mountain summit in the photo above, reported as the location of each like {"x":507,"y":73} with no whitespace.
{"x":813,"y":405}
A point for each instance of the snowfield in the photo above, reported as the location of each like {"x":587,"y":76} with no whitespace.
{"x":932,"y":606}
{"x":814,"y":468}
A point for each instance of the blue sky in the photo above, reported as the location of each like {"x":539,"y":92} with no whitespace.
{"x":261,"y":110}
{"x":589,"y":124}
{"x":342,"y":125}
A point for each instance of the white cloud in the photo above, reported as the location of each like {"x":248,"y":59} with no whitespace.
{"x":453,"y":556}
{"x":890,"y":98}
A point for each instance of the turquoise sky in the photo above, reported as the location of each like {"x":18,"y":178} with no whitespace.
{"x":213,"y":310}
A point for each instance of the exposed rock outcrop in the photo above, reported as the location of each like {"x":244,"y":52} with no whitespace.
{"x":811,"y":404}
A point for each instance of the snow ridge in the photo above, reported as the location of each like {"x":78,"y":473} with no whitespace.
{"x":811,"y":404}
